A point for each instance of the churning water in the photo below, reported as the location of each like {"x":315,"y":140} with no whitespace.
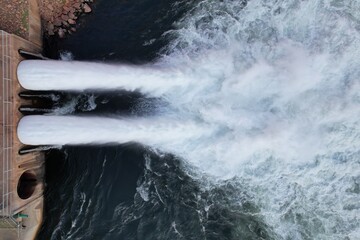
{"x":262,"y":95}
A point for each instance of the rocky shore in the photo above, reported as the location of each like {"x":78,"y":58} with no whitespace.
{"x":62,"y":20}
{"x":14,"y":17}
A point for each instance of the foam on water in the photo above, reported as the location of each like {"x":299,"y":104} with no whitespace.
{"x":276,"y":87}
{"x":283,"y":77}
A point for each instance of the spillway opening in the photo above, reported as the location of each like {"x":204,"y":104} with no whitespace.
{"x":26,"y":185}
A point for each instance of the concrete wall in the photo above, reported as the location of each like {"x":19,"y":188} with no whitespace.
{"x":13,"y":165}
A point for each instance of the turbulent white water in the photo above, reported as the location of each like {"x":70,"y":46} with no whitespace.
{"x":276,"y":85}
{"x":70,"y":75}
{"x":154,"y":131}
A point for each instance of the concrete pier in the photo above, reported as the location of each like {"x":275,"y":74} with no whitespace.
{"x":21,"y":176}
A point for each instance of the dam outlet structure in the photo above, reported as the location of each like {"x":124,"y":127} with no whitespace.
{"x":256,"y":94}
{"x":21,"y":175}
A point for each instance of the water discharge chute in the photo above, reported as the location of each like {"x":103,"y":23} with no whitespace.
{"x":79,"y":76}
{"x":61,"y":130}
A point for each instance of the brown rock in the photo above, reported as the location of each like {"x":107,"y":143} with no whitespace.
{"x":72,"y":16}
{"x":57,"y":22}
{"x":86,"y":8}
{"x":64,"y":17}
{"x":51,"y":32}
{"x":57,"y":12}
{"x":50,"y":7}
{"x":50,"y":26}
{"x":61,"y":33}
{"x":77,"y":5}
{"x":65,"y":24}
{"x":66,"y":9}
{"x":72,"y":22}
{"x":73,"y":29}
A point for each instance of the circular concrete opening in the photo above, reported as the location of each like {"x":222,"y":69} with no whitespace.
{"x":26,"y":185}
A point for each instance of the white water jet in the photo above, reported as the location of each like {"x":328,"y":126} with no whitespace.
{"x":79,"y":76}
{"x":277,"y":86}
{"x":154,"y":131}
